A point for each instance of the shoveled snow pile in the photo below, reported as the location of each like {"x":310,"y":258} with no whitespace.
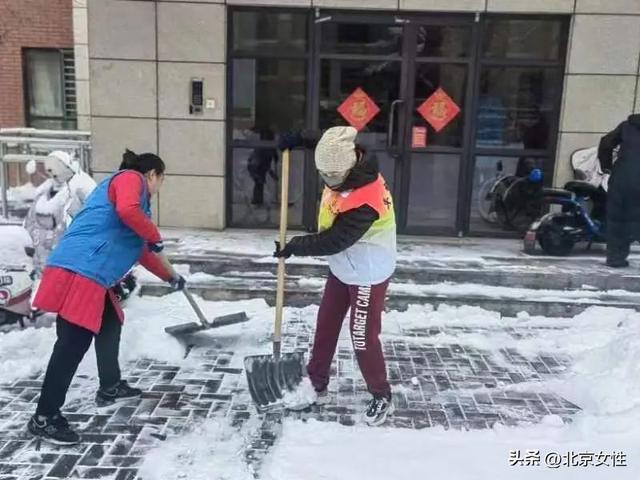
{"x":25,"y":352}
{"x":301,"y":397}
{"x":13,"y":239}
{"x":211,"y":451}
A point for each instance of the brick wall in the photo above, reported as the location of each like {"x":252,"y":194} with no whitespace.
{"x":27,"y":23}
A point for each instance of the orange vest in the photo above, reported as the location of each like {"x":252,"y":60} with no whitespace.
{"x":375,"y":194}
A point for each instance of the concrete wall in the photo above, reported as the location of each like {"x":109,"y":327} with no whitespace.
{"x":141,"y":55}
{"x":81,"y":53}
{"x":602,"y":75}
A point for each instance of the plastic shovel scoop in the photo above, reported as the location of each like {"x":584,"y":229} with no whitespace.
{"x":271,"y":376}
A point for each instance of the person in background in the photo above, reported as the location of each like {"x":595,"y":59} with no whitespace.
{"x":259,"y":165}
{"x":358,"y":237}
{"x":108,"y":236}
{"x":623,"y":200}
{"x":55,"y":203}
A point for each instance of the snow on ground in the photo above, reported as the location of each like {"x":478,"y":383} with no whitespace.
{"x":436,"y":250}
{"x":605,"y":344}
{"x":211,"y":451}
{"x":24,"y":352}
{"x":443,"y":289}
{"x":448,"y":289}
{"x":604,"y":380}
{"x":326,"y":451}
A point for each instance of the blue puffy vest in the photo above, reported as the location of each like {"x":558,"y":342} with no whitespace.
{"x":97,"y":244}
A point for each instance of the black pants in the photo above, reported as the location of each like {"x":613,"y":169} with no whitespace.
{"x":69,"y":350}
{"x":623,"y":214}
{"x":618,"y":242}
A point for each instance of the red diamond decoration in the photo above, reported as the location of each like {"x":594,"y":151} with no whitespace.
{"x":358,"y":109}
{"x":439,"y":110}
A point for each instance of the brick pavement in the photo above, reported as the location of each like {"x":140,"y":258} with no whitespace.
{"x":453,"y":386}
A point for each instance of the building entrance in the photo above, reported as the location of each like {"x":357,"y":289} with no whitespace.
{"x":445,"y":102}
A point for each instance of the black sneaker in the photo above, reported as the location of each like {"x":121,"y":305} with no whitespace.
{"x":378,"y":410}
{"x":54,"y":429}
{"x":122,"y":391}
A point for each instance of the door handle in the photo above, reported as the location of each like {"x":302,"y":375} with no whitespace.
{"x":392,"y":121}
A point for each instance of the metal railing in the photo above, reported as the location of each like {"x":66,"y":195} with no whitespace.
{"x":21,"y":145}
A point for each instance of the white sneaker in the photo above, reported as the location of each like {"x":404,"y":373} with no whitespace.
{"x":377,"y":411}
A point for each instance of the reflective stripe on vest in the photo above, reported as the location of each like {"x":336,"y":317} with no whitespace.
{"x":375,"y":194}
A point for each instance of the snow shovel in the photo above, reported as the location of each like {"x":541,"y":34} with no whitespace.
{"x":271,"y":376}
{"x":203,"y":324}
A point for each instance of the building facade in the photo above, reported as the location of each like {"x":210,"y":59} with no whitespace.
{"x":448,"y":93}
{"x":37,"y":75}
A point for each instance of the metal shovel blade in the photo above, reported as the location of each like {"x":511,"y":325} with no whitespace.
{"x":193,"y":327}
{"x":270,"y":377}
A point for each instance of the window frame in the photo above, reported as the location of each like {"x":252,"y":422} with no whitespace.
{"x":476,"y":62}
{"x":549,"y":154}
{"x":67,"y":116}
{"x":231,"y":143}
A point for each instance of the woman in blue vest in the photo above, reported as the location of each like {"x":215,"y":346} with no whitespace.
{"x":106,"y":239}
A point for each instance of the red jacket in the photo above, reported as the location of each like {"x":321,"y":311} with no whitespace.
{"x":80,"y":300}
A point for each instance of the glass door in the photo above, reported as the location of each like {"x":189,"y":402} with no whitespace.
{"x":440,"y":53}
{"x":413,"y":71}
{"x":360,"y":55}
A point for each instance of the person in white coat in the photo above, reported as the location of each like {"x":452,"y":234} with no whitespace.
{"x":56,"y":202}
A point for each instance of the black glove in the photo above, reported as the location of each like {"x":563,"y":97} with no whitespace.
{"x":290,"y":140}
{"x":282,"y":252}
{"x":156,"y":247}
{"x":178,"y":283}
{"x":129,"y":282}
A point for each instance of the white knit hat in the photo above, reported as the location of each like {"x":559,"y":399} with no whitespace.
{"x":335,"y":151}
{"x":59,"y":166}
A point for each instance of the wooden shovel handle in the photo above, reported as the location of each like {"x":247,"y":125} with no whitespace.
{"x":284,"y":212}
{"x":194,"y":306}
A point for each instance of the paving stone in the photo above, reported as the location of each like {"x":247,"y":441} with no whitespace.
{"x":121,"y":461}
{"x":167,"y":388}
{"x":122,"y":445}
{"x":64,"y":466}
{"x":147,"y":420}
{"x":458,"y":387}
{"x":93,"y":456}
{"x":28,"y":456}
{"x":34,"y":472}
{"x":164,"y":368}
{"x":96,"y":472}
{"x":13,"y":469}
{"x":126,"y":474}
{"x":10,"y":449}
{"x":122,"y":416}
{"x":98,"y":437}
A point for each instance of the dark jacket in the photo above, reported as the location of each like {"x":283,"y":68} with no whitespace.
{"x":627,"y":136}
{"x":348,"y":227}
{"x":623,"y":208}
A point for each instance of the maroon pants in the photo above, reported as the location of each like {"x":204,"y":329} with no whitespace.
{"x":366,"y":304}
